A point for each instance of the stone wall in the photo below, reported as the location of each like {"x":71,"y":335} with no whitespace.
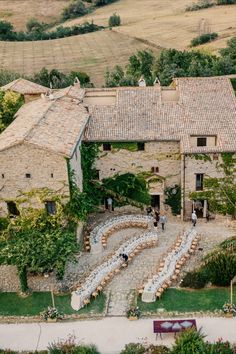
{"x":46,"y":169}
{"x":164,"y":155}
{"x":192,"y":167}
{"x":75,"y":165}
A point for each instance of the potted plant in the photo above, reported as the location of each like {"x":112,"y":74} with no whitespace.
{"x":51,"y":314}
{"x":133,"y":313}
{"x":229,"y":309}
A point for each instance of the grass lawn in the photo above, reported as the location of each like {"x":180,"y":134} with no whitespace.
{"x":13,"y":305}
{"x":189,"y":300}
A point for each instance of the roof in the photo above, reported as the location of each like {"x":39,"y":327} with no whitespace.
{"x":25,"y":87}
{"x":192,"y":106}
{"x":55,"y":125}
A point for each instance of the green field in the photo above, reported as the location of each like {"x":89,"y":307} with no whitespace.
{"x":13,"y":305}
{"x":189,"y":300}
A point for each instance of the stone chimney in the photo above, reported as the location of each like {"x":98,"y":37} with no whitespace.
{"x":142,"y":82}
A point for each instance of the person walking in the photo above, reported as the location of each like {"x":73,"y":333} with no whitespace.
{"x":109,"y":203}
{"x":194,"y":218}
{"x":163,"y":221}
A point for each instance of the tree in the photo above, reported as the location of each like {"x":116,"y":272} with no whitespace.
{"x":10,"y":103}
{"x":6,"y":31}
{"x":141,"y":64}
{"x":35,"y":241}
{"x":57,"y":79}
{"x":114,"y":20}
{"x":75,"y":9}
{"x":117,"y":77}
{"x":230,"y":50}
{"x":221,"y":192}
{"x":34,"y":25}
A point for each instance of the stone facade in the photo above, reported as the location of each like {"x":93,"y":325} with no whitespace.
{"x":75,"y":166}
{"x":160,"y":162}
{"x":43,"y":168}
{"x":193,"y":166}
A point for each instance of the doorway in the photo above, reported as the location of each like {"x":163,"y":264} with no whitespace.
{"x":198,"y":207}
{"x":155,"y":201}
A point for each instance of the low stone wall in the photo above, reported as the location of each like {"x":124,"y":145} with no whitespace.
{"x":9,"y":281}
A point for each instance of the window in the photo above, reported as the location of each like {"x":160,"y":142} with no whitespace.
{"x":97,"y":174}
{"x":51,"y":175}
{"x":12,"y":209}
{"x":215,"y":156}
{"x":3,"y":176}
{"x":107,"y":147}
{"x":28,"y":175}
{"x":50,"y":207}
{"x":201,"y":141}
{"x":141,"y":146}
{"x":199,"y":181}
{"x":155,"y":169}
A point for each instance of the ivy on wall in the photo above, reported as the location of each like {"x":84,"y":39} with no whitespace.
{"x":130,"y":146}
{"x":173,"y":198}
{"x":202,"y":157}
{"x":221,"y":192}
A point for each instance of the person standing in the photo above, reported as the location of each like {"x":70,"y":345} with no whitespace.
{"x":109,"y":203}
{"x":163,"y":220}
{"x":194,"y":218}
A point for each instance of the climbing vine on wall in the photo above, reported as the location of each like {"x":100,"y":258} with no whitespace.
{"x":203,"y":157}
{"x":173,"y":198}
{"x":130,"y":146}
{"x":221,"y":192}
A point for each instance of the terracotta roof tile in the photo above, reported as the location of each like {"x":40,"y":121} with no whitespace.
{"x":24,"y":87}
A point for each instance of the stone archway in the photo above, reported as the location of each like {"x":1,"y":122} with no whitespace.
{"x":156,"y":185}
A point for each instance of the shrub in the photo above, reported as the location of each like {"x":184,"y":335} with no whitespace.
{"x":221,"y":267}
{"x":157,"y":349}
{"x":6,"y":31}
{"x":37,"y":31}
{"x":199,"y":5}
{"x":69,"y":346}
{"x":114,"y":20}
{"x":190,"y":341}
{"x":52,"y":313}
{"x":133,"y":348}
{"x":195,"y":279}
{"x":219,"y":347}
{"x":226,"y":2}
{"x":103,"y":2}
{"x":75,"y":9}
{"x":4,"y":222}
{"x":204,"y":38}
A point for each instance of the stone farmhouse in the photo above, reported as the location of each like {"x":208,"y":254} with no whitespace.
{"x":171,"y":126}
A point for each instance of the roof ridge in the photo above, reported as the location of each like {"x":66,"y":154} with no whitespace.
{"x":38,"y":122}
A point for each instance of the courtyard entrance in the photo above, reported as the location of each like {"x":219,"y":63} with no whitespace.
{"x":155,"y":201}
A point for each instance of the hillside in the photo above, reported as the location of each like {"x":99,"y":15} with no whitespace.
{"x":92,"y":53}
{"x":165,"y":22}
{"x":18,"y":12}
{"x":145,"y":24}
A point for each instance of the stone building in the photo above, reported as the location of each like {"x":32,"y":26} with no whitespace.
{"x":29,"y":90}
{"x":171,"y":128}
{"x":36,"y":149}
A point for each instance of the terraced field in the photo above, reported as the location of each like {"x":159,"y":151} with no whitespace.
{"x":92,"y":53}
{"x":145,"y":24}
{"x":18,"y":12}
{"x":165,"y":22}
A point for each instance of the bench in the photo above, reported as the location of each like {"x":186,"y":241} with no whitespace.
{"x":172,"y":326}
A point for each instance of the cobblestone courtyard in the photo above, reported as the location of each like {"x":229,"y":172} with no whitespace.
{"x":121,"y":290}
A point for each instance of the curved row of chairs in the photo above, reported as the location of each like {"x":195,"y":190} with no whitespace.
{"x":102,"y":274}
{"x":170,"y":266}
{"x":98,"y":237}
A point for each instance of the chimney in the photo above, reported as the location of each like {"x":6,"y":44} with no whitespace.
{"x":142,"y":82}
